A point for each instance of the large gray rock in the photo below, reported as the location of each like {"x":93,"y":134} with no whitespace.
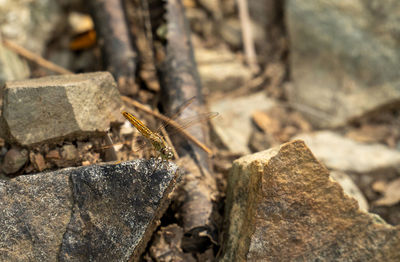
{"x":282,"y":206}
{"x":342,"y":153}
{"x":344,"y":57}
{"x":53,"y":108}
{"x":93,"y":213}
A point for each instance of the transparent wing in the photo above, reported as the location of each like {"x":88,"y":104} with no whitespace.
{"x":187,"y":122}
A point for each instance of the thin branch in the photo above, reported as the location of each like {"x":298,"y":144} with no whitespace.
{"x":34,"y":57}
{"x":247,"y":35}
{"x":169,"y":121}
{"x":168,"y":140}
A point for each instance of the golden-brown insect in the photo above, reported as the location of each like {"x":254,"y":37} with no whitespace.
{"x":155,"y":139}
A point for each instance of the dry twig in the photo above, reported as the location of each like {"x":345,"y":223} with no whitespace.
{"x":247,"y":36}
{"x":34,"y":57}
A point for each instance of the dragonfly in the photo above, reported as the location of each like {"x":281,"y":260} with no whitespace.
{"x":157,"y":141}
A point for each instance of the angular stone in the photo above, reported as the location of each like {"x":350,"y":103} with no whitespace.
{"x":93,"y":213}
{"x":282,"y":206}
{"x":52,"y":108}
{"x":233,"y":124}
{"x":344,"y":58}
{"x":341,"y":153}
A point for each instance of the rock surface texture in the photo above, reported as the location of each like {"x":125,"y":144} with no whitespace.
{"x":282,"y":206}
{"x":93,"y":213}
{"x":50,"y":108}
{"x":344,"y":57}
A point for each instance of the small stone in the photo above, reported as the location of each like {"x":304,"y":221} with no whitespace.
{"x":282,"y":206}
{"x":69,"y":153}
{"x":53,"y":154}
{"x":38,"y":161}
{"x":14,"y":160}
{"x":55,"y":107}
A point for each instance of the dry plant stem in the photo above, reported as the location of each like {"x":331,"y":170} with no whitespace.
{"x":34,"y":57}
{"x":247,"y":35}
{"x":169,"y":121}
{"x":180,"y":82}
{"x":114,"y":40}
{"x":110,"y":153}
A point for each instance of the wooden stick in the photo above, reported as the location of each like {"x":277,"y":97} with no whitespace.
{"x":247,"y":35}
{"x":34,"y":57}
{"x":169,"y":121}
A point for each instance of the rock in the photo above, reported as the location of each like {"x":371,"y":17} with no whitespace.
{"x":350,"y":188}
{"x":282,"y":206}
{"x":30,"y":23}
{"x":233,"y":125}
{"x":93,"y":213}
{"x":344,"y":58}
{"x":69,"y":153}
{"x":38,"y":161}
{"x":340,"y":153}
{"x":220,"y":70}
{"x":53,"y":155}
{"x":14,"y":160}
{"x":50,"y":109}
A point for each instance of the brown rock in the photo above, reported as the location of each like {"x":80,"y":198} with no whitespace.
{"x":53,"y":154}
{"x":38,"y":161}
{"x":13,"y":160}
{"x":282,"y":206}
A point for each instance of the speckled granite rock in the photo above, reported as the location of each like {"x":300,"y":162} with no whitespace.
{"x":93,"y":213}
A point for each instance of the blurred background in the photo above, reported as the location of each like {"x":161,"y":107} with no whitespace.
{"x":323,"y":71}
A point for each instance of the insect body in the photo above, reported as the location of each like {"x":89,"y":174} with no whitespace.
{"x":155,"y":139}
